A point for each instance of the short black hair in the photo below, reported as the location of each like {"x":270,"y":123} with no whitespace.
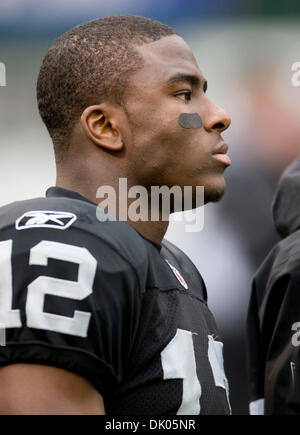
{"x":87,"y":65}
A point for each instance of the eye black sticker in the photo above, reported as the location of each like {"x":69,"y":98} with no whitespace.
{"x":190,"y":120}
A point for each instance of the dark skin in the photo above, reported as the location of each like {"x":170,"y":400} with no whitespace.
{"x":146,"y":144}
{"x":149,"y":147}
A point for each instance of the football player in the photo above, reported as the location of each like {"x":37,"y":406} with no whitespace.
{"x":103,"y":316}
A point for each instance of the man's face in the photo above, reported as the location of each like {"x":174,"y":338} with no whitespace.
{"x":162,"y":151}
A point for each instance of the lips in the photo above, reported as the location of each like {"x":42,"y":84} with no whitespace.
{"x":221,"y":149}
{"x":220,"y":154}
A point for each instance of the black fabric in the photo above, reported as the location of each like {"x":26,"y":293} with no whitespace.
{"x":274,"y":307}
{"x":137,"y":306}
{"x":165,"y":312}
{"x":286,"y":202}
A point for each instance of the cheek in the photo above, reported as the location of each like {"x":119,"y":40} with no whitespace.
{"x":161,"y":143}
{"x":173,"y":149}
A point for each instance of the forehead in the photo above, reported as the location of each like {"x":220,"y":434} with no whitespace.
{"x":164,"y":58}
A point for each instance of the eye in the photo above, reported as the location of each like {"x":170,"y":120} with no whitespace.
{"x":185,"y":96}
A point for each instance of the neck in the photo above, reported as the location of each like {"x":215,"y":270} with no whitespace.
{"x":112,"y":193}
{"x":154,"y":231}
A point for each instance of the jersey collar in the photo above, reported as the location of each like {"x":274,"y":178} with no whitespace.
{"x":60,"y":192}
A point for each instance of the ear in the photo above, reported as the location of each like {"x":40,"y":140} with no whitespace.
{"x":99,"y":123}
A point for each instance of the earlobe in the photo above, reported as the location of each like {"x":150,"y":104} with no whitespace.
{"x":99,"y":125}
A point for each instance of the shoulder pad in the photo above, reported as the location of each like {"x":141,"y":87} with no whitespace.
{"x":67,"y":214}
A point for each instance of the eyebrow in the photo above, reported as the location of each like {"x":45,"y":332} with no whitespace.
{"x":193,"y":80}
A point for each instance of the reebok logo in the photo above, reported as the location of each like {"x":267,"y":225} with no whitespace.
{"x":45,"y":219}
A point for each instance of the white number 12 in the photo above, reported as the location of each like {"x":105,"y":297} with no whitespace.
{"x":43,"y":285}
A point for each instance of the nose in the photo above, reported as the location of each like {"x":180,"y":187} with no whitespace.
{"x":216,"y":119}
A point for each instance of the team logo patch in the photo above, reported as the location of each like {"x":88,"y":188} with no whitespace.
{"x":45,"y":219}
{"x":178,"y":275}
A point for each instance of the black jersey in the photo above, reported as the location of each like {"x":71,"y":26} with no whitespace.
{"x":98,"y":299}
{"x":273,"y":323}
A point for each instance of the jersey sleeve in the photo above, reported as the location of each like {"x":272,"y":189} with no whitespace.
{"x":68,"y":299}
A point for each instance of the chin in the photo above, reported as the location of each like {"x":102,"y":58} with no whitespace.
{"x":213,"y":192}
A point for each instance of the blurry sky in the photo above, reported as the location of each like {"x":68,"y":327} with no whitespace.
{"x":44,"y":16}
{"x":19,"y":17}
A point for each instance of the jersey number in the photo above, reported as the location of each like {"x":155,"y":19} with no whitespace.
{"x":178,"y":362}
{"x":45,"y":285}
{"x":178,"y":358}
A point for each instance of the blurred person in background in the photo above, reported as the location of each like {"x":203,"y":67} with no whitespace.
{"x":273,"y":323}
